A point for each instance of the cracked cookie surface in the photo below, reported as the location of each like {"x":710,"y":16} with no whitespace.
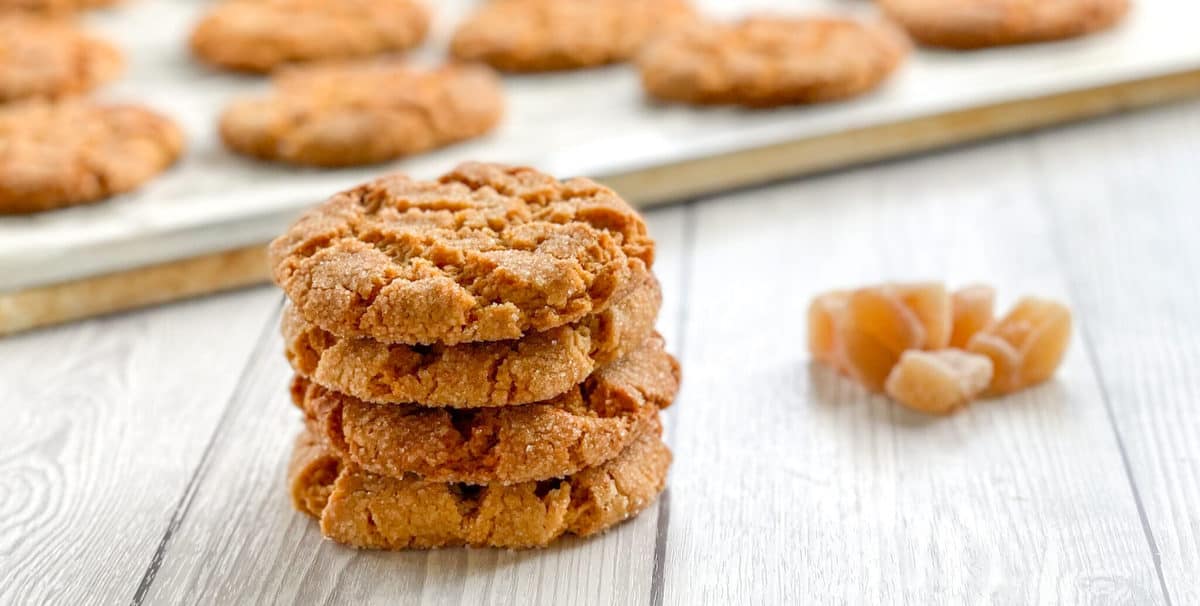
{"x":767,"y":61}
{"x":259,"y":35}
{"x":48,"y":59}
{"x":544,"y":35}
{"x":359,"y":508}
{"x":968,"y":24}
{"x":537,"y":367}
{"x":586,"y":426}
{"x":485,"y":253}
{"x":363,"y":113}
{"x":55,"y":154}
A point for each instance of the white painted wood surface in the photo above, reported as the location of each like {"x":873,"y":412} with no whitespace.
{"x":142,"y":456}
{"x":214,"y":200}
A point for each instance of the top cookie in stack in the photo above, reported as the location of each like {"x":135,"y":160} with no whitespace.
{"x":414,"y":304}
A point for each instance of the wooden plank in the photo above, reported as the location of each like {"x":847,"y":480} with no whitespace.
{"x":138,"y":287}
{"x":103,"y":424}
{"x":793,"y":485}
{"x":1123,"y":197}
{"x":238,"y":539}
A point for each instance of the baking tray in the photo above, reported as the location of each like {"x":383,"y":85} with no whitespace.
{"x":199,"y":227}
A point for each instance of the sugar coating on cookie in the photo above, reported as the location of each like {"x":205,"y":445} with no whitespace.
{"x":49,"y":58}
{"x":485,"y":253}
{"x":471,"y":375}
{"x":260,"y":35}
{"x":543,"y":35}
{"x":968,"y":24}
{"x":362,"y":509}
{"x":768,"y":61}
{"x":363,"y":113}
{"x":586,"y":426}
{"x":55,"y":154}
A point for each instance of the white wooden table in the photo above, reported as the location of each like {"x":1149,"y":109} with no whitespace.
{"x":142,"y":456}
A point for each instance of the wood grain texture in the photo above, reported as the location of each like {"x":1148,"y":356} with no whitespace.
{"x":1123,"y":195}
{"x":104,"y":423}
{"x":131,"y":466}
{"x":793,"y":485}
{"x":239,"y":539}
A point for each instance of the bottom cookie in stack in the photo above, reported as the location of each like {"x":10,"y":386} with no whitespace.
{"x":370,"y":510}
{"x":400,"y":476}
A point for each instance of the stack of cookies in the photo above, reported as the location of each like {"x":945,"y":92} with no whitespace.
{"x":476,"y":360}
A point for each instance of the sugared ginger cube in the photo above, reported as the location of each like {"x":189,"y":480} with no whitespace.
{"x":972,"y":310}
{"x":1025,"y":346}
{"x":822,"y":326}
{"x":930,"y":303}
{"x":873,"y":329}
{"x":938,"y":382}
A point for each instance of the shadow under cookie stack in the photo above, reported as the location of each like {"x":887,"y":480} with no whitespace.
{"x":476,"y":360}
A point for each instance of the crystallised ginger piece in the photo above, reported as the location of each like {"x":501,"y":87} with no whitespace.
{"x":973,"y":308}
{"x":938,"y":382}
{"x":879,"y":312}
{"x":822,"y":326}
{"x":1025,"y":346}
{"x":930,"y":303}
{"x":873,"y":330}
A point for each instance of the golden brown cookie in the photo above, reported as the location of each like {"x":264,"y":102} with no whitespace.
{"x":363,"y":509}
{"x":967,"y":24}
{"x":543,"y":35}
{"x":48,"y":58}
{"x":342,"y":115}
{"x":769,"y":61}
{"x":586,"y":426}
{"x":259,"y":35}
{"x":52,"y":6}
{"x":485,"y":253}
{"x":73,"y":152}
{"x":469,"y":375}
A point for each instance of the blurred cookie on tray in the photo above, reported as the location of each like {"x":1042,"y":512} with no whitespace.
{"x":49,"y":58}
{"x":53,"y":7}
{"x":546,"y":35}
{"x":970,"y":24}
{"x":260,"y":35}
{"x":764,"y":61}
{"x":347,"y":114}
{"x":57,"y":154}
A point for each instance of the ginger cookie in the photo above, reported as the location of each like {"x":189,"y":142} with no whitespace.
{"x":771,"y":61}
{"x":969,"y":24}
{"x":259,"y":35}
{"x":544,"y":35}
{"x":49,"y":58}
{"x":586,"y":426}
{"x":485,"y":253}
{"x":343,"y":115}
{"x":362,"y":509}
{"x":73,"y":152}
{"x":469,"y":375}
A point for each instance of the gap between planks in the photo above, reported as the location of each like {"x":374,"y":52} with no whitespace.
{"x":1083,"y":326}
